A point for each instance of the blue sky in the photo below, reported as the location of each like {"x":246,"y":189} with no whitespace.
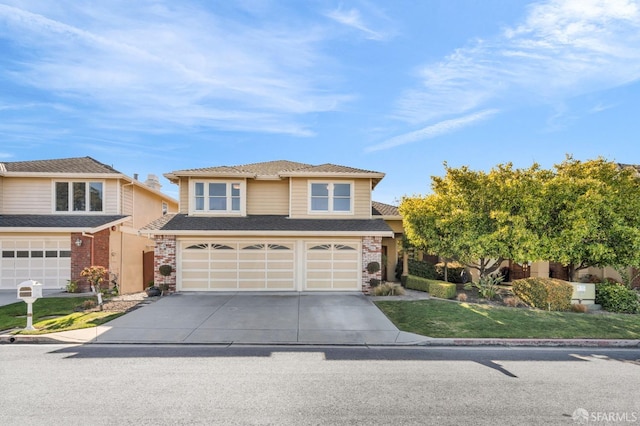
{"x":397,"y":87}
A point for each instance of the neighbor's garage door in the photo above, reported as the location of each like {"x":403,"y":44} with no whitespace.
{"x":332,"y":266}
{"x":47,"y":261}
{"x":236,"y":265}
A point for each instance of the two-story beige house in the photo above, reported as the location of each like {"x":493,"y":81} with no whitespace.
{"x":273,"y":226}
{"x":59,"y":216}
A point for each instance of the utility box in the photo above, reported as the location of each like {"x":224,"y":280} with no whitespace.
{"x":584,"y":293}
{"x":29,"y":290}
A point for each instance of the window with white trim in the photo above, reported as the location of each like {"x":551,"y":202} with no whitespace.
{"x":330,"y":197}
{"x":79,"y":196}
{"x":217,"y":197}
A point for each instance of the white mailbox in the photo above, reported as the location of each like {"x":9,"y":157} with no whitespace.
{"x":29,"y":291}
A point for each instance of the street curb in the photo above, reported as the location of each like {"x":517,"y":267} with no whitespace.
{"x":428,"y":342}
{"x":545,"y":343}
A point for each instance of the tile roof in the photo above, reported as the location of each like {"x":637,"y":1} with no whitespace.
{"x":272,"y":168}
{"x":183,"y":222}
{"x":57,"y":221}
{"x":382,"y":209}
{"x":62,"y":165}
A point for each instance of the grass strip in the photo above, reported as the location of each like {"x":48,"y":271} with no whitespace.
{"x":437,"y":318}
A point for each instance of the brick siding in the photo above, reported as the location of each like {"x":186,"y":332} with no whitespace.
{"x":165,"y":254}
{"x":81,"y":256}
{"x":371,"y":252}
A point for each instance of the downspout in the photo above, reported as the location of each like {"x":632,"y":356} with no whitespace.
{"x":121,"y":277}
{"x":95,"y":290}
{"x":84,"y":234}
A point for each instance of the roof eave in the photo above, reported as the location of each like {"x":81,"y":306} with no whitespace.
{"x":267,"y":233}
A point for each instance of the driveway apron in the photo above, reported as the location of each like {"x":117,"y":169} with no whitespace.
{"x":252,"y":318}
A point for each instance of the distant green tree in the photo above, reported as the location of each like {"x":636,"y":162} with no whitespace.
{"x":590,"y":215}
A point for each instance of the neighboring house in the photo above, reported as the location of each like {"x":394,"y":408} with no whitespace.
{"x":273,"y":226}
{"x":60,"y":216}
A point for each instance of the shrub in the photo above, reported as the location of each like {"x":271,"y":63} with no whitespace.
{"x":544,"y":293}
{"x":89,"y":304}
{"x":422,"y":269}
{"x":488,"y":286}
{"x":373,"y":267}
{"x":455,"y":272}
{"x":512,"y":301}
{"x":388,"y":289}
{"x":374,"y":282}
{"x":72,"y":286}
{"x":417,"y":283}
{"x":617,"y":298}
{"x":442,"y":290}
{"x":579,"y":308}
{"x":461,"y":297}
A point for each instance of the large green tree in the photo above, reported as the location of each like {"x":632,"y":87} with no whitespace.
{"x":475,"y":217}
{"x":590,"y":215}
{"x":579,"y":214}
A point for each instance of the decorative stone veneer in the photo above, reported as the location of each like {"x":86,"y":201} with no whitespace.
{"x":371,"y":252}
{"x":165,"y":254}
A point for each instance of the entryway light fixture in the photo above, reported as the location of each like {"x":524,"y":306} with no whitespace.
{"x":78,"y":242}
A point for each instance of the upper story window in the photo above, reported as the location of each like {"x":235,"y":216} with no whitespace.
{"x":165,"y":208}
{"x":79,"y":196}
{"x":218,"y":197}
{"x":331,"y":197}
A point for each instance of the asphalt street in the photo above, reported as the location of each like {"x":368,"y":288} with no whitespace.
{"x":190,"y":384}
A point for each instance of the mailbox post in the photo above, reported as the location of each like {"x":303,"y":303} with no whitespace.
{"x":29,"y":291}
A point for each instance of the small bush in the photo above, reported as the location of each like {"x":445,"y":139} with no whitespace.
{"x":617,"y":298}
{"x":417,"y":283}
{"x":512,"y":301}
{"x":579,"y":308}
{"x":72,"y":286}
{"x":388,"y":289}
{"x":488,"y":286}
{"x":442,"y":290}
{"x":461,"y":297}
{"x":422,"y":269}
{"x":374,"y":282}
{"x":455,"y":272}
{"x":544,"y":293}
{"x":89,"y":304}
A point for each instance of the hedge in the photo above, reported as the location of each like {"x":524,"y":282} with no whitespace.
{"x":442,"y":290}
{"x":544,"y":293}
{"x":617,"y":298}
{"x":435,"y":288}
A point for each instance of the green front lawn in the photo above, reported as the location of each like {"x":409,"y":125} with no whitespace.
{"x":437,"y":318}
{"x":52,"y":314}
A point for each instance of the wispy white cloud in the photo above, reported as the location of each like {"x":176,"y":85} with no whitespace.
{"x":353,"y":18}
{"x":434,"y":130}
{"x":171,"y":65}
{"x":562,"y":49}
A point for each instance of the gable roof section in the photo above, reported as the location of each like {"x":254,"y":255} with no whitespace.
{"x":385,"y":210}
{"x":58,"y":223}
{"x":61,"y":165}
{"x":277,"y":170}
{"x":182,"y":224}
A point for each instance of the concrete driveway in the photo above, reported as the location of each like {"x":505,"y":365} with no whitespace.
{"x":252,"y":318}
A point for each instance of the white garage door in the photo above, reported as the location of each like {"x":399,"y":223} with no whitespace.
{"x":47,"y":261}
{"x":236,"y":265}
{"x":332,"y":266}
